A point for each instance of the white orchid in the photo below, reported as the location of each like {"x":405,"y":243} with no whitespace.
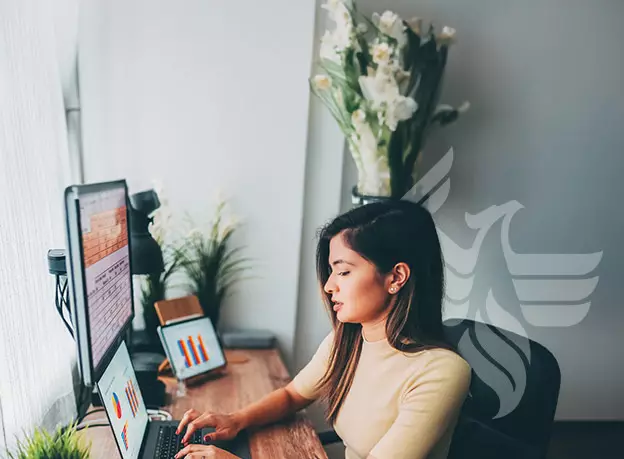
{"x":358,"y":117}
{"x":332,"y":6}
{"x":341,"y":38}
{"x":382,"y":89}
{"x":382,"y":53}
{"x":447,"y":36}
{"x":391,"y":24}
{"x":379,"y":87}
{"x":342,"y":35}
{"x":338,"y":12}
{"x":328,"y":48}
{"x":416,"y":24}
{"x":463,"y":108}
{"x":322,"y":82}
{"x":401,"y":109}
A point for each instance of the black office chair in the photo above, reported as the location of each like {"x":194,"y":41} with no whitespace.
{"x":524,"y":433}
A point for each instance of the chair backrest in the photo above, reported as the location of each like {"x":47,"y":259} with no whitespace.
{"x":532,"y":418}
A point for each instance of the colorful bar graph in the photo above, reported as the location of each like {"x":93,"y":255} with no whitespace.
{"x":187,"y":359}
{"x":130,"y":402}
{"x":202,"y":349}
{"x":133,"y":399}
{"x":124,"y":435}
{"x":134,"y":396}
{"x":193,"y":350}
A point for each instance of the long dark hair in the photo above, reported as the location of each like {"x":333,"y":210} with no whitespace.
{"x":385,"y":233}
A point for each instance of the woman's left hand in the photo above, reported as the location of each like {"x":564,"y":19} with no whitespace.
{"x":204,"y":452}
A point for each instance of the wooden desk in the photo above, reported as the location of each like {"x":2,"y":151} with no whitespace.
{"x":242,"y":384}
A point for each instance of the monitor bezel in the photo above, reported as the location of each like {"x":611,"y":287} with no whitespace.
{"x":168,"y":351}
{"x":80,"y":309}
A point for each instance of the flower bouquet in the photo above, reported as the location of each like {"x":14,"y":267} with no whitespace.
{"x":381,"y":80}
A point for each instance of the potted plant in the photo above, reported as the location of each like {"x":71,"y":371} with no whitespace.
{"x":381,"y":79}
{"x":211,"y":265}
{"x":64,"y":443}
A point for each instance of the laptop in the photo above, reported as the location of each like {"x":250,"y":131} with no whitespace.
{"x":135,"y":434}
{"x":192,"y":346}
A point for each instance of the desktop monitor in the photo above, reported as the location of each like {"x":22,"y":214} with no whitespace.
{"x":99,"y":271}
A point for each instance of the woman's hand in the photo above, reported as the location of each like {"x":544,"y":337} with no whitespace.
{"x":226,"y":426}
{"x":204,"y":452}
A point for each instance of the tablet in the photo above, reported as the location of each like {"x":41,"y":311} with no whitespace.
{"x":192,"y":347}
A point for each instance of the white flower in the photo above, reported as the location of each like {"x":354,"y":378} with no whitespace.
{"x":341,"y":36}
{"x":358,"y":117}
{"x":402,"y":108}
{"x":344,"y":27}
{"x":381,"y":53}
{"x":391,"y":24}
{"x":447,"y":36}
{"x":362,"y":28}
{"x":328,"y":48}
{"x":463,"y":108}
{"x":416,"y":25}
{"x":380,"y":88}
{"x":332,"y":6}
{"x":387,"y":21}
{"x":322,"y":82}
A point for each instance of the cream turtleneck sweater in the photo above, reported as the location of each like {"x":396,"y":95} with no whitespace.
{"x":400,"y":406}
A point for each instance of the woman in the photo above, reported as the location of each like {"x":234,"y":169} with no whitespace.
{"x":393,"y":386}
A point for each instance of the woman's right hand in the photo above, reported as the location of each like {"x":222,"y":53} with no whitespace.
{"x":226,"y":426}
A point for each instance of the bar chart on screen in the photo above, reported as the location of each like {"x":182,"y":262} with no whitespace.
{"x":193,"y":352}
{"x":133,"y":400}
{"x":124,"y":435}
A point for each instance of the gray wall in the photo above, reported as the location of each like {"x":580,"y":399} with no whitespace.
{"x":193,"y":94}
{"x":544,"y":79}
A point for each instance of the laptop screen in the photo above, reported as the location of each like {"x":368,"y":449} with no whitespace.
{"x":123,"y":402}
{"x":192,"y":347}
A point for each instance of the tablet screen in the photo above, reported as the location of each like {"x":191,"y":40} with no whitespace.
{"x":192,"y":347}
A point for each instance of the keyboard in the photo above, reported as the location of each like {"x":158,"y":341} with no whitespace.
{"x":169,"y":443}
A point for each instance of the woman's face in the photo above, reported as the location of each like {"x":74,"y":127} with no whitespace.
{"x":359,"y":293}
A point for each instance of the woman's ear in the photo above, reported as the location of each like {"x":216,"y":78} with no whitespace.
{"x":398,"y":277}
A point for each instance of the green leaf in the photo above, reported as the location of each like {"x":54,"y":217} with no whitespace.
{"x":64,"y":443}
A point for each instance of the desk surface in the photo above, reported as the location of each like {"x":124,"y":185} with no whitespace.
{"x":244,"y":383}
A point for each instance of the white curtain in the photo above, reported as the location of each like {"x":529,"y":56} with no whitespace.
{"x":37,"y":79}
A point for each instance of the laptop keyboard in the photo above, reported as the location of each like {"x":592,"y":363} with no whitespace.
{"x":168,"y":443}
